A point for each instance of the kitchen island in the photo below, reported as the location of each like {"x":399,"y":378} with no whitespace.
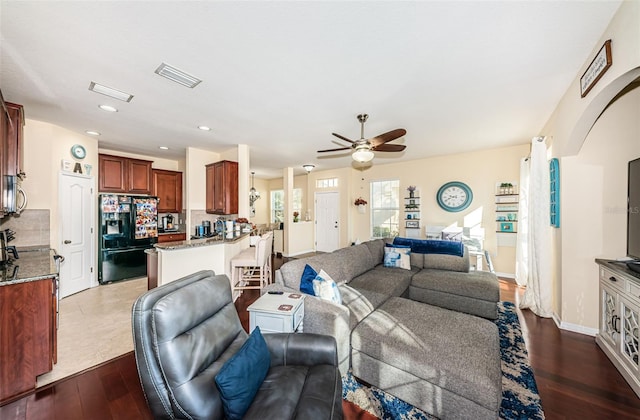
{"x":180,"y":258}
{"x":28,"y":307}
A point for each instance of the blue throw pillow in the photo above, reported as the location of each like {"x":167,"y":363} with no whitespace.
{"x":306,"y":282}
{"x":241,"y":376}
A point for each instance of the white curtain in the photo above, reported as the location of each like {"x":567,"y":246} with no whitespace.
{"x":522,"y":241}
{"x":537,"y":251}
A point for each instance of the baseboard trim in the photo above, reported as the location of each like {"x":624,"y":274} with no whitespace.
{"x":580,"y":329}
{"x":300,"y":253}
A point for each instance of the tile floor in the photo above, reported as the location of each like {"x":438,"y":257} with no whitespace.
{"x":95,"y":326}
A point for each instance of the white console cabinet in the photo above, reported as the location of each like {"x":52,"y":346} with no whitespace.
{"x":619,"y":322}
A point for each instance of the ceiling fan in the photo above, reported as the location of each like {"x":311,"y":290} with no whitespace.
{"x":363,"y":149}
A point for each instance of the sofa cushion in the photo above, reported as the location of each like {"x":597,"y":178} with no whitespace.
{"x":241,"y":376}
{"x":357,"y":260}
{"x":454,"y":356}
{"x":361,"y":302}
{"x":333,"y":263}
{"x":475,"y":293}
{"x":306,"y":281}
{"x":448,"y":262}
{"x":385,"y":280}
{"x":376,"y":248}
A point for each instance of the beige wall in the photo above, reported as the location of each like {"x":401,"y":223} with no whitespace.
{"x":479,"y":170}
{"x":45,"y":146}
{"x":594,"y":199}
{"x":594,"y":143}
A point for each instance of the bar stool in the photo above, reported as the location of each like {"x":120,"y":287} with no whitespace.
{"x":251,"y":268}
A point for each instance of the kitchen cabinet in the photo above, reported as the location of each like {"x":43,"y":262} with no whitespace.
{"x":27,"y":334}
{"x":171,"y":237}
{"x":222,"y":187}
{"x":167,"y":186}
{"x":619,"y":321}
{"x":14,"y":160}
{"x":119,"y":174}
{"x":11,"y":137}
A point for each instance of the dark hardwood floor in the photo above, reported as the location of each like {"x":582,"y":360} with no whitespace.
{"x":575,"y":379}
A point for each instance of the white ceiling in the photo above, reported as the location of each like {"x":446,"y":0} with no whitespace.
{"x":282,"y":76}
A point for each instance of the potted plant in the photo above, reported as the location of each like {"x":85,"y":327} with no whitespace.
{"x":361,"y":204}
{"x":295,"y":216}
{"x":411,"y":189}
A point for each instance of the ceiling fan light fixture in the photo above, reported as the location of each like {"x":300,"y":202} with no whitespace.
{"x":362,"y":154}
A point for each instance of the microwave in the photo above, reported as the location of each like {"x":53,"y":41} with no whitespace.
{"x":15,"y":199}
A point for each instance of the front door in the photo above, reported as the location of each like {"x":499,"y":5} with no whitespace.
{"x":77,"y":209}
{"x":327,"y":221}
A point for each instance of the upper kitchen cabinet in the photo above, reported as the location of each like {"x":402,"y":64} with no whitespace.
{"x":167,"y":185}
{"x":124,"y":175}
{"x":222,"y":187}
{"x":13,"y":143}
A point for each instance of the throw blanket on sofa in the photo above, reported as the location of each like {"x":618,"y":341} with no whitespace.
{"x":431,"y":246}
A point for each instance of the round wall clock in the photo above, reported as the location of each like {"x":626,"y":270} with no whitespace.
{"x":78,"y":151}
{"x":454,"y":196}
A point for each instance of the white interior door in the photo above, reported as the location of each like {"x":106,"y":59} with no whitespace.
{"x":77,"y":210}
{"x":327,"y":221}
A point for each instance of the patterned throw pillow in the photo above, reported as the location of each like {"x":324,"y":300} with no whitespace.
{"x":325,"y":288}
{"x":397,"y":257}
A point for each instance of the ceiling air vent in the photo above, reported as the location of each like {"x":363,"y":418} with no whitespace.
{"x":110,"y":92}
{"x":177,"y":76}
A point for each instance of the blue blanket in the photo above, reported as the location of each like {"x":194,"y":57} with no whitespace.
{"x":431,"y":246}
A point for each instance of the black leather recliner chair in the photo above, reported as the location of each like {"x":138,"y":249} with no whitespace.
{"x":186,"y":330}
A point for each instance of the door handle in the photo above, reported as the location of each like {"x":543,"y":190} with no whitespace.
{"x":67,"y":242}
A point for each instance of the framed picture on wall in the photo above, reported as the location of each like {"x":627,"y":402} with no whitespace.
{"x":412,"y":224}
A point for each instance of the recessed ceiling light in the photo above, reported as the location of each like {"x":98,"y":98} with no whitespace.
{"x":92,"y":133}
{"x":176,"y":75}
{"x":110,"y":92}
{"x":108,"y":108}
{"x":204,"y":128}
{"x":163,"y":147}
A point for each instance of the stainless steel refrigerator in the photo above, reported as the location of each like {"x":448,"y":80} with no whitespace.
{"x":128,"y":226}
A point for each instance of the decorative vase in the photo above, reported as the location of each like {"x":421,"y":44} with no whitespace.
{"x":295,"y":219}
{"x":410,"y":194}
{"x":362,"y":208}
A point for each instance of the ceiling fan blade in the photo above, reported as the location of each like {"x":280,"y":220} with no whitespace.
{"x":389,"y":148}
{"x":391,"y":135}
{"x":334,"y":150}
{"x":343,"y":138}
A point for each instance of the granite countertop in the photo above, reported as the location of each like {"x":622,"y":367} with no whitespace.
{"x":192,"y":243}
{"x":620,"y":268}
{"x":34,"y":264}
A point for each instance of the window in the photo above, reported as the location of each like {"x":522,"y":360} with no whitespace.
{"x":385,"y":208}
{"x":277,"y":204}
{"x":327,"y":183}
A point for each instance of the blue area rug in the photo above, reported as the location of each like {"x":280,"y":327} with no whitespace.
{"x":520,"y":398}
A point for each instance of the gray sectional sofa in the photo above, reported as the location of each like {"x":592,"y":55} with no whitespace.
{"x":424,"y":335}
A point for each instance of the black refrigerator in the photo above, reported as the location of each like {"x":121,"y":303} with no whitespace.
{"x":128,"y":226}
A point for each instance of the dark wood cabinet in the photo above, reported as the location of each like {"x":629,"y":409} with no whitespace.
{"x":11,"y":137}
{"x":171,"y":237}
{"x":222,"y":187}
{"x":167,"y":186}
{"x":119,"y":174}
{"x":27,"y":335}
{"x":14,"y":140}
